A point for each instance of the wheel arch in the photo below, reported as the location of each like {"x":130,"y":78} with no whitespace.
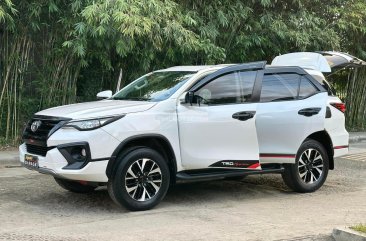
{"x":324,"y":138}
{"x":157,"y":142}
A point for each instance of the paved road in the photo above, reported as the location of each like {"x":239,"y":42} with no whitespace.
{"x":33,"y":207}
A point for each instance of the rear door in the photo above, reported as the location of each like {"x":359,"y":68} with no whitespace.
{"x":220,"y":131}
{"x":291,"y":108}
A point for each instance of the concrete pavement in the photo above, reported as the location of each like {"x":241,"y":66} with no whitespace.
{"x":33,"y":207}
{"x":9,"y":157}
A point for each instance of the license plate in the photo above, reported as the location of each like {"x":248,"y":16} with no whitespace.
{"x":31,"y":161}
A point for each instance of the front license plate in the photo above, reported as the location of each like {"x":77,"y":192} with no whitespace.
{"x":31,"y":161}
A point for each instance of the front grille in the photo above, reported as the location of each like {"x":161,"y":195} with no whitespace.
{"x":37,"y":150}
{"x":37,"y":140}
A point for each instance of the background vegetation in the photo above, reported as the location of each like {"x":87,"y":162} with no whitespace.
{"x":55,"y":52}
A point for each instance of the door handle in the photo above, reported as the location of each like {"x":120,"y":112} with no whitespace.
{"x":244,"y":115}
{"x":309,"y":111}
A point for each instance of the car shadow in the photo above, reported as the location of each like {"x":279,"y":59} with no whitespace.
{"x":219,"y":192}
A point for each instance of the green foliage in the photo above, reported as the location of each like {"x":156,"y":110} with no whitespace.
{"x":56,"y":52}
{"x":359,"y":227}
{"x":6,"y":11}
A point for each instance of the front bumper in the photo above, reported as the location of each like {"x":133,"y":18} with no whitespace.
{"x":54,"y":162}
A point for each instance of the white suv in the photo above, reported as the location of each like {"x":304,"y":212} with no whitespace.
{"x":191,"y":123}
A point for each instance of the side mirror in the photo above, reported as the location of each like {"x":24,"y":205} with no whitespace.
{"x":104,"y":94}
{"x":191,"y":98}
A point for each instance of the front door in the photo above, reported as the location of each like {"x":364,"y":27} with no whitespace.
{"x":220,"y":130}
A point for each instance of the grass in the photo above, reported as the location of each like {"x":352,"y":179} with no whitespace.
{"x":8,"y":145}
{"x":359,"y":227}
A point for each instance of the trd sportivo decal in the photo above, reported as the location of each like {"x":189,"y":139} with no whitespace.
{"x":247,"y":164}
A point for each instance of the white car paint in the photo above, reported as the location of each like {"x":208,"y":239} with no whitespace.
{"x":97,"y":109}
{"x":315,"y":64}
{"x":306,"y":60}
{"x":209,"y":134}
{"x":199,"y":135}
{"x":275,"y":120}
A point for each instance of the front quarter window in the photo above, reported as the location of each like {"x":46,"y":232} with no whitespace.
{"x":156,"y":86}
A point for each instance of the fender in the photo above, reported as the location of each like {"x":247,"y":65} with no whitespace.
{"x":113,"y":160}
{"x":324,"y":138}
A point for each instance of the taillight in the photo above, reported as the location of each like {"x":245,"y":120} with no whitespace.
{"x":339,"y":106}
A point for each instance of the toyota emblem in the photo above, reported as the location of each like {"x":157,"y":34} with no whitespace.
{"x":35,"y":125}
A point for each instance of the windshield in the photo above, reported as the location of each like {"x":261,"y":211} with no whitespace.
{"x":156,"y":86}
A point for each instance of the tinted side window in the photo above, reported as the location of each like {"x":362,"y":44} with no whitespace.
{"x":228,"y":89}
{"x":223,"y":90}
{"x":277,"y":87}
{"x":306,"y":88}
{"x":326,"y":85}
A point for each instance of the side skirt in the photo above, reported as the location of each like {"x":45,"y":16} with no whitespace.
{"x":220,"y":173}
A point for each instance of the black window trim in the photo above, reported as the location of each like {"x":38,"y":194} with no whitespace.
{"x":262,"y":70}
{"x":292,"y":70}
{"x":234,"y":68}
{"x":234,"y":103}
{"x":295,"y":70}
{"x":253,"y":66}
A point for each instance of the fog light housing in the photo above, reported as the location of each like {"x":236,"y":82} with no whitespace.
{"x":77,"y":154}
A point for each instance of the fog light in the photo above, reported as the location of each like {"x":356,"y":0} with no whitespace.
{"x":83,"y":152}
{"x":77,"y":154}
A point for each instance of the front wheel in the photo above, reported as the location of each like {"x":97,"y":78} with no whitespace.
{"x":310,"y":169}
{"x":141,"y":180}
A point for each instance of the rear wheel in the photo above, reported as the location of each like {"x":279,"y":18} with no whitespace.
{"x":141,"y":180}
{"x":310,"y":169}
{"x":74,"y":186}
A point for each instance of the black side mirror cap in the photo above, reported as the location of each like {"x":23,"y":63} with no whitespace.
{"x":189,"y":97}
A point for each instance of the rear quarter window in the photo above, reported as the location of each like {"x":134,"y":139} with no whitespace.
{"x":331,"y":91}
{"x":306,"y":88}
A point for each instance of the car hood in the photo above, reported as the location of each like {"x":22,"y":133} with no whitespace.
{"x":97,"y":109}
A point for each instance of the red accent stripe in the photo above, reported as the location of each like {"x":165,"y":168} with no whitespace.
{"x":340,"y":147}
{"x":254,"y":166}
{"x":278,"y":155}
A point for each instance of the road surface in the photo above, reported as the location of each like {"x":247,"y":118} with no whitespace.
{"x":33,"y":207}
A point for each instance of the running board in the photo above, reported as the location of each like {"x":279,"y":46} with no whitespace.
{"x":213,"y":173}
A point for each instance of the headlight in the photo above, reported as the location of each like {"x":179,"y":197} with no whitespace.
{"x":91,"y":124}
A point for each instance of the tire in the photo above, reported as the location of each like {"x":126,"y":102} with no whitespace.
{"x":140,"y":190}
{"x":310,"y":170}
{"x":74,"y":186}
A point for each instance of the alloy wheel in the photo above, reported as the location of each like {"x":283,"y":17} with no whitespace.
{"x":310,"y":166}
{"x":143,"y":179}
